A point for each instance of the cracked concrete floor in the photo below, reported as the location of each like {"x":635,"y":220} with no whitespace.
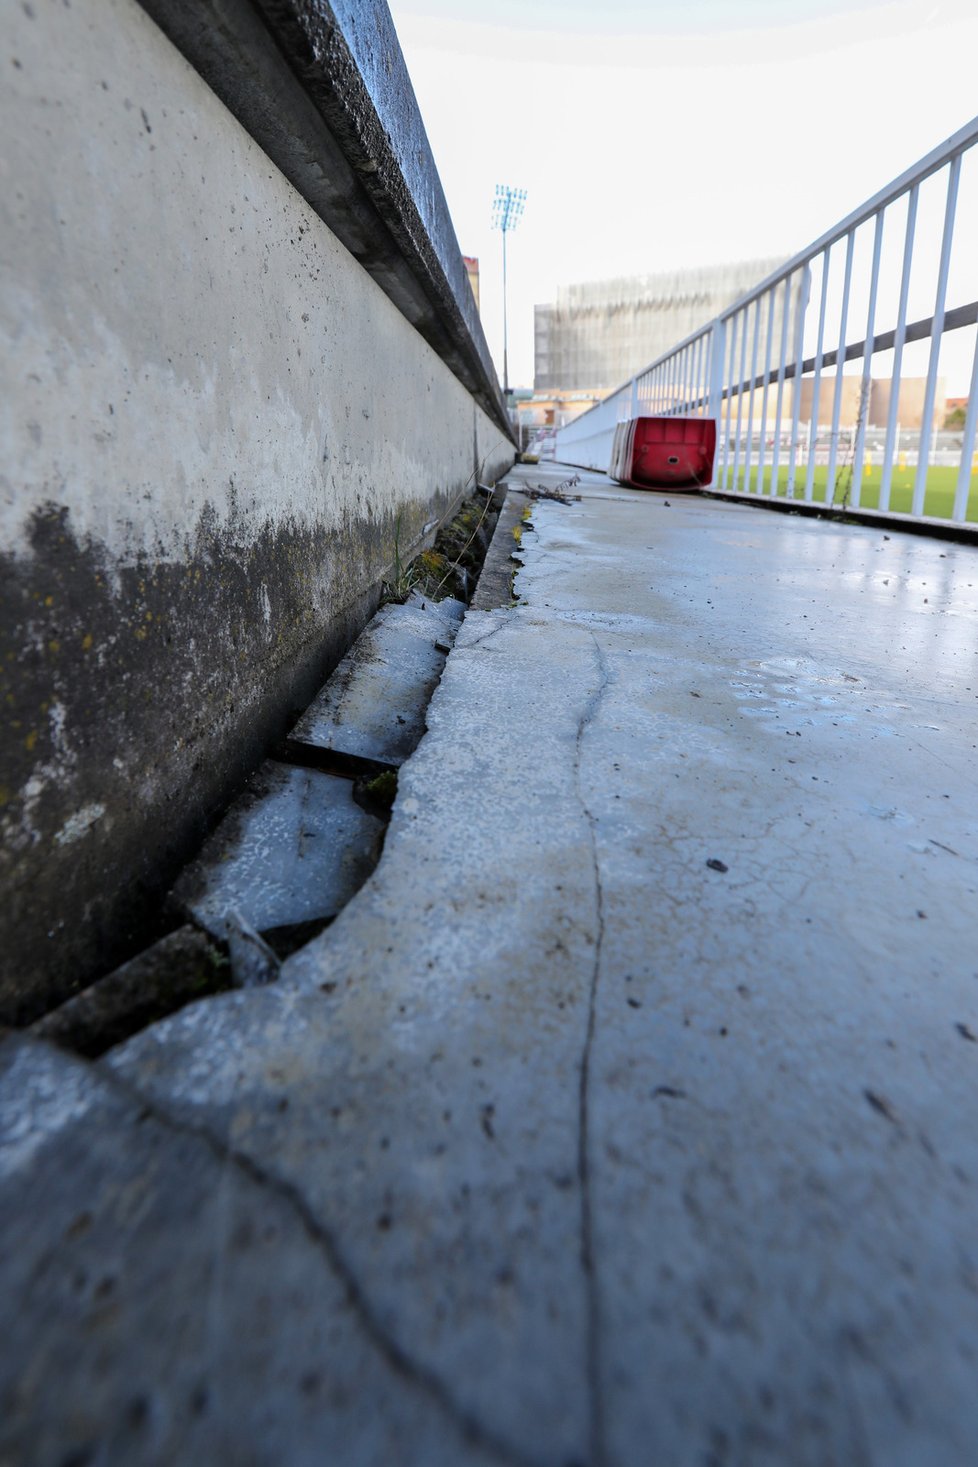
{"x":563,"y":1145}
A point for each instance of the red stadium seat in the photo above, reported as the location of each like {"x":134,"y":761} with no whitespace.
{"x":664,"y":453}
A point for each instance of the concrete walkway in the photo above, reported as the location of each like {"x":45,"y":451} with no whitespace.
{"x":626,"y":1117}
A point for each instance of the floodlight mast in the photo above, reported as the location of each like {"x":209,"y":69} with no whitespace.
{"x":507,"y":210}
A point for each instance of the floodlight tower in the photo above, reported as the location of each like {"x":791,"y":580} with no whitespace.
{"x":507,"y":210}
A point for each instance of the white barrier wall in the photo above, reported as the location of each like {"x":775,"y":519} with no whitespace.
{"x":586,"y":443}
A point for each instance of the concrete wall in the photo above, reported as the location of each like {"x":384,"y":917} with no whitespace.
{"x":216,"y":425}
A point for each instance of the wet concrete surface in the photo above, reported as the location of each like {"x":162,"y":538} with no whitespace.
{"x":626,"y":1114}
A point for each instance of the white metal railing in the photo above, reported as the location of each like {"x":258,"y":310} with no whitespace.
{"x":753,"y":367}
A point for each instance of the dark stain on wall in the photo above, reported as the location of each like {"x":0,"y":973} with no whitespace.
{"x":135,"y":698}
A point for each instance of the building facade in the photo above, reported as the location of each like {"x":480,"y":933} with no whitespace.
{"x":598,"y":334}
{"x":472,"y":270}
{"x":910,"y":408}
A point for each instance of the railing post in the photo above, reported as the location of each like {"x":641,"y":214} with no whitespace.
{"x":753,"y":377}
{"x":742,"y":368}
{"x":866,"y":386}
{"x":779,"y":400}
{"x":728,"y":369}
{"x":936,"y":333}
{"x":817,"y":384}
{"x":718,"y":338}
{"x":891,"y":445}
{"x":804,"y":295}
{"x":840,"y":361}
{"x":963,"y":489}
{"x":769,"y":342}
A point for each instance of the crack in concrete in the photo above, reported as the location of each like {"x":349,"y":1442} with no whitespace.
{"x":597,"y":1443}
{"x":487,"y":636}
{"x":472,"y":1431}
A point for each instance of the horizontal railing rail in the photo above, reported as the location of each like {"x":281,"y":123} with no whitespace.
{"x":770,"y":368}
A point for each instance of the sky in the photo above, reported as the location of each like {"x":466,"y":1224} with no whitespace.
{"x":652,"y":135}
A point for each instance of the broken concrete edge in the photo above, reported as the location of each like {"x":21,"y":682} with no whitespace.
{"x":106,"y":1002}
{"x":294,"y":848}
{"x":323,"y":89}
{"x":495,"y":585}
{"x":370,"y":715}
{"x":194,"y":961}
{"x":186,"y":966}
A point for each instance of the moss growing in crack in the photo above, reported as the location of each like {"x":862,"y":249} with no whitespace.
{"x":451,"y":566}
{"x":382,"y":789}
{"x":431,"y":563}
{"x":399,"y":587}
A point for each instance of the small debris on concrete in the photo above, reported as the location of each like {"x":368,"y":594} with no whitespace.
{"x":882,"y":1106}
{"x":967,"y":1032}
{"x":558,"y":493}
{"x":287,"y":939}
{"x":715,"y":864}
{"x":253,"y":963}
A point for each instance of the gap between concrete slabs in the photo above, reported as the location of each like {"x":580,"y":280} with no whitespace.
{"x":296,"y":844}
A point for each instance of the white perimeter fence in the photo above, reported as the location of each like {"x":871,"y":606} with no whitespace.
{"x":838,"y":438}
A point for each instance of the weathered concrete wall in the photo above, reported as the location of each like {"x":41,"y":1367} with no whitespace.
{"x":217,"y":426}
{"x":322,"y":86}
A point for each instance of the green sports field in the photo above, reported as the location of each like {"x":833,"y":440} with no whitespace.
{"x":938,"y":502}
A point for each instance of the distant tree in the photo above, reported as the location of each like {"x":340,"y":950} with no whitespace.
{"x":955,"y":418}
